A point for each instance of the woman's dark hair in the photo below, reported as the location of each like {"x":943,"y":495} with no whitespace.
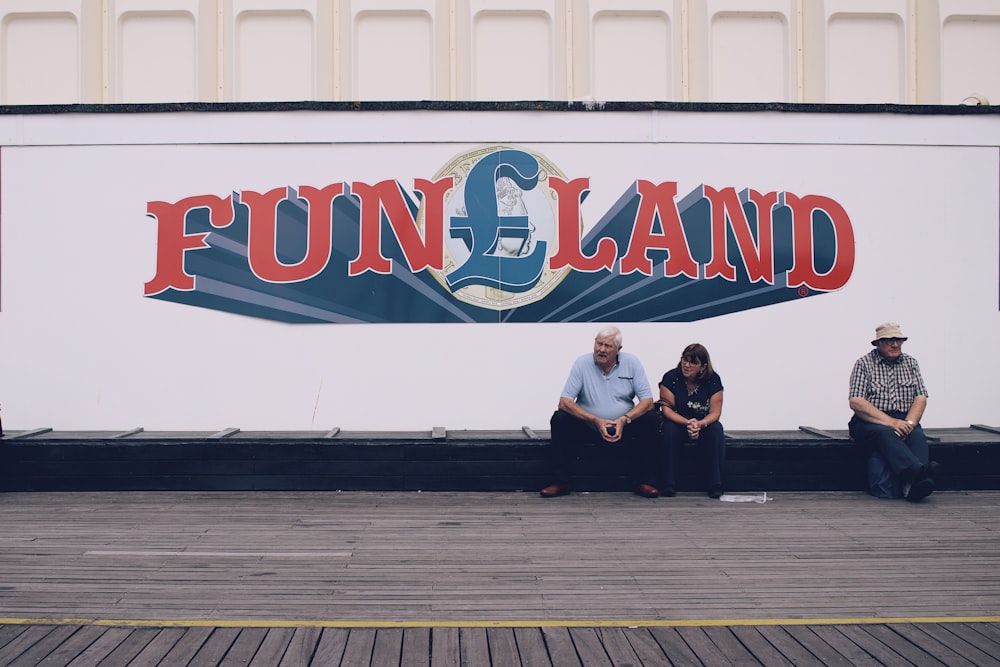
{"x":697,"y":352}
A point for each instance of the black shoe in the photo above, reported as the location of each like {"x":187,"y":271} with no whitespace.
{"x":715,"y":492}
{"x":668,"y":491}
{"x":920,"y":488}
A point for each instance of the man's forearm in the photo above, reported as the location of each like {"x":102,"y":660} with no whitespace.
{"x":868,"y":412}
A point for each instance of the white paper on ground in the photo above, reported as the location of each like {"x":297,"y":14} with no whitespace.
{"x":741,"y":498}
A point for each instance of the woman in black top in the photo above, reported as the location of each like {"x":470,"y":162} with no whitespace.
{"x":691,"y":404}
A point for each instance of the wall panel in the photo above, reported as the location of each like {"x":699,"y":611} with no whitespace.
{"x":515,"y":51}
{"x":970,"y":50}
{"x":634,"y":51}
{"x":819,"y":51}
{"x":399,"y":50}
{"x":742,"y":53}
{"x":158,"y":57}
{"x":273,"y":51}
{"x":49,"y":52}
{"x":868,"y":52}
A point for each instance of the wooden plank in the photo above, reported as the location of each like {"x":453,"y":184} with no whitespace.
{"x":967,"y":641}
{"x":736,"y":653}
{"x":9,"y":632}
{"x":127,"y":434}
{"x":902,"y":646}
{"x":503,"y":647}
{"x":445,"y":650}
{"x":988,"y":429}
{"x":815,"y":645}
{"x":531,"y":647}
{"x":416,"y":651}
{"x":273,"y":648}
{"x":25,"y":643}
{"x":559,"y":643}
{"x":932,"y":645}
{"x":76,"y":644}
{"x":874,"y":647}
{"x":130,"y":647}
{"x":30,"y":433}
{"x":832,"y":636}
{"x":784,"y":639}
{"x":331,"y":647}
{"x":646,"y":648}
{"x":224,"y":433}
{"x":617,"y":646}
{"x":473,"y":647}
{"x":388,"y":646}
{"x":215,"y":647}
{"x":360,"y":644}
{"x":101,"y":648}
{"x":589,"y":647}
{"x":155,"y":651}
{"x":703,"y":646}
{"x":187,"y":645}
{"x":244,"y":647}
{"x":772,"y":645}
{"x":763,"y":651}
{"x":817,"y":432}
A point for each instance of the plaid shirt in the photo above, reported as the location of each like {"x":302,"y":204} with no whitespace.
{"x":889,"y":386}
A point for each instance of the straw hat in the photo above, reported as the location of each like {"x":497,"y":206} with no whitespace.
{"x":887,"y":330}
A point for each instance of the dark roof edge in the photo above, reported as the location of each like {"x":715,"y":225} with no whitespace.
{"x":578,"y":106}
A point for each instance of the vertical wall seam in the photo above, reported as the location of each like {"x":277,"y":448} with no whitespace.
{"x":220,"y":51}
{"x":452,"y":50}
{"x":685,"y":53}
{"x":105,"y":53}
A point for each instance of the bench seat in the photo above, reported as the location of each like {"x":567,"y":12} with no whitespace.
{"x":443,"y":460}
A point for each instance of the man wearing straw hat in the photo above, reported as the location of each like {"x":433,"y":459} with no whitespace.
{"x":888,"y":398}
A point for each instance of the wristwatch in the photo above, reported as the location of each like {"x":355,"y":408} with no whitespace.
{"x":628,"y":420}
{"x":909,"y":422}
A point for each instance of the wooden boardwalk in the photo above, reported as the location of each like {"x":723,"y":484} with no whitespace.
{"x":407,"y":578}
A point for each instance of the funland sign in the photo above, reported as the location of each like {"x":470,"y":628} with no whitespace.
{"x":497,"y":236}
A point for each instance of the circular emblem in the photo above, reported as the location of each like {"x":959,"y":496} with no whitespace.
{"x":499,"y":228}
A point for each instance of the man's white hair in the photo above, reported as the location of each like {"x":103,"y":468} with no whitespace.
{"x":611,"y":331}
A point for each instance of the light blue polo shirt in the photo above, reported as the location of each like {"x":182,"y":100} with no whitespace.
{"x":607,"y":396}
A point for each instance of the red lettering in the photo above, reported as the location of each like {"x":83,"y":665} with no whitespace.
{"x":803,"y":267}
{"x":569,"y":253}
{"x":658,"y":203}
{"x":758,"y":256}
{"x":262,"y":248}
{"x":172,"y":241}
{"x":387,"y":197}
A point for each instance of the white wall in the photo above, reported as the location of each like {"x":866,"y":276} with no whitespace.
{"x":815,"y":51}
{"x":82,"y":348}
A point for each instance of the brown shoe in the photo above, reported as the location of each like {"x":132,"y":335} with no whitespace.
{"x":647,"y":491}
{"x":553,"y":490}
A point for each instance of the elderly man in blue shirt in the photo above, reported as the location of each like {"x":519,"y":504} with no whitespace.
{"x":888,"y":398}
{"x":598,"y":404}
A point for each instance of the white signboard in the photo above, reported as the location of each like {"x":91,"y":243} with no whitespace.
{"x":305,"y":270}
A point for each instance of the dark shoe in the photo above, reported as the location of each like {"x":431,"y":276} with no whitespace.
{"x":668,"y":491}
{"x":647,"y":491}
{"x":553,"y":490}
{"x":919,"y":489}
{"x":715,"y":492}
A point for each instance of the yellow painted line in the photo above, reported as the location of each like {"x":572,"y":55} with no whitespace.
{"x":568,"y":623}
